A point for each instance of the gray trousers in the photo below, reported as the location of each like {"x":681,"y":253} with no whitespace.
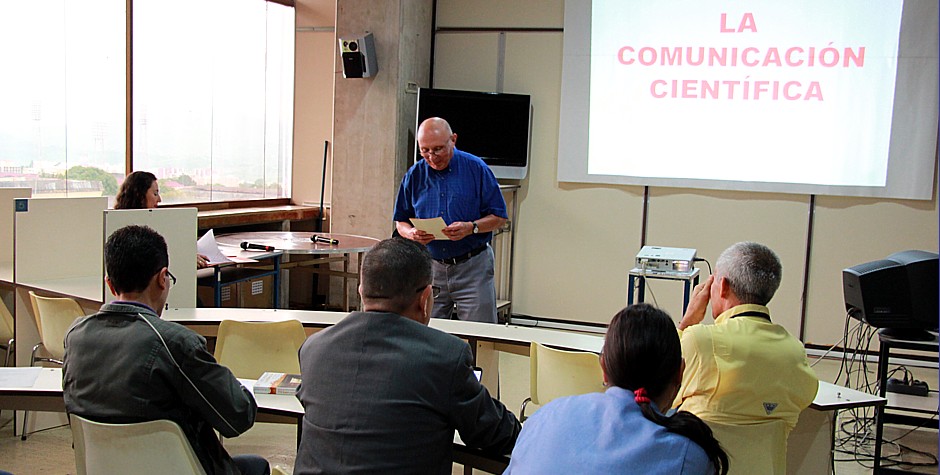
{"x":469,"y":285}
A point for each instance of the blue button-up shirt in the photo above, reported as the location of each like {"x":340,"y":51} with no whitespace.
{"x":466,"y":190}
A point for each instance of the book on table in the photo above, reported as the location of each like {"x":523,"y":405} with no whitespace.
{"x":277,"y":383}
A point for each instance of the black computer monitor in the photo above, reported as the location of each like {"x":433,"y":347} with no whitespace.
{"x":493,"y":126}
{"x":898,"y":294}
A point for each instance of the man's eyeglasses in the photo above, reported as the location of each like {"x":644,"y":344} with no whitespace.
{"x":172,"y":277}
{"x":435,"y":291}
{"x":436,"y":151}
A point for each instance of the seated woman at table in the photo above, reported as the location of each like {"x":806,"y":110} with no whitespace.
{"x":623,"y":429}
{"x":140,"y":190}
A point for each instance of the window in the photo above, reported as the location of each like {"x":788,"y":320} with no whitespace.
{"x":213,"y":97}
{"x":62,"y":96}
{"x":212,"y":105}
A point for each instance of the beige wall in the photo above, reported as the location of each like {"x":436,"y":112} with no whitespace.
{"x":575,"y":243}
{"x":314,"y":53}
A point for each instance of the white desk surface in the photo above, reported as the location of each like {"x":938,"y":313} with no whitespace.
{"x":828,"y":397}
{"x":510,"y":334}
{"x":929,"y":404}
{"x":281,"y":403}
{"x":299,"y":242}
{"x":49,"y":381}
{"x":6,"y":272}
{"x":213,"y":315}
{"x":90,"y":287}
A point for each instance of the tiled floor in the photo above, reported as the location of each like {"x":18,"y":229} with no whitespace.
{"x":50,"y":451}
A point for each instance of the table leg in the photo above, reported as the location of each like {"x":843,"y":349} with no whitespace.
{"x":487,"y":358}
{"x":345,"y":282}
{"x":359,"y":257}
{"x":809,"y":446}
{"x":631,"y":280}
{"x":218,"y":287}
{"x":687,"y":292}
{"x":883,"y":354}
{"x":277,"y":281}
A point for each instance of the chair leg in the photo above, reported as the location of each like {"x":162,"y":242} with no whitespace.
{"x":32,"y":361}
{"x":8,"y":348}
{"x":11,"y":353}
{"x":522,"y":416}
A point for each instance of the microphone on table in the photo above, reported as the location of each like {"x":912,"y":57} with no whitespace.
{"x":324,"y":240}
{"x":247,"y":245}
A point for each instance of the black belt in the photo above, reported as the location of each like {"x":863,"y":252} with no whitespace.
{"x":462,"y":257}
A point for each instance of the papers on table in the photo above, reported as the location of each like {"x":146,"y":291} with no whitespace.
{"x":19,"y":377}
{"x":207,"y":246}
{"x":433,"y":226}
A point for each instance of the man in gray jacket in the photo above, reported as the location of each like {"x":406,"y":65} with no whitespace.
{"x":382,"y":392}
{"x":124,"y":364}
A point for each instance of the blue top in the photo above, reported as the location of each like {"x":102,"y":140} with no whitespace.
{"x":466,"y":190}
{"x":602,"y":433}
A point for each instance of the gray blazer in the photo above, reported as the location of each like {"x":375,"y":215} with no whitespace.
{"x":384,"y":394}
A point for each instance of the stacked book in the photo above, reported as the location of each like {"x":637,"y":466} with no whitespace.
{"x":277,"y":383}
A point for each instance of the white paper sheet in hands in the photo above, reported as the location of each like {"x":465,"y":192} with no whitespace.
{"x":433,"y":226}
{"x":207,"y":246}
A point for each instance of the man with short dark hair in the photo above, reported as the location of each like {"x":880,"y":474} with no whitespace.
{"x":124,"y":364}
{"x":382,"y":392}
{"x":744,"y":368}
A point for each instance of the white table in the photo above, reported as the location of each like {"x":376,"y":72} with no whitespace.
{"x":203,"y":321}
{"x":46,"y":395}
{"x":810,"y":442}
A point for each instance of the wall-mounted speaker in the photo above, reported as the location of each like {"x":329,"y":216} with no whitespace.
{"x":358,"y":56}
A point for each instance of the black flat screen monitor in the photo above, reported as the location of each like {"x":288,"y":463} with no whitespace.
{"x":493,"y":126}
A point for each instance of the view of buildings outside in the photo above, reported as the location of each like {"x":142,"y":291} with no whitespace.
{"x":212,"y":102}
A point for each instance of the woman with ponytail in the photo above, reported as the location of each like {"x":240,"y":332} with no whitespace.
{"x":623,"y":430}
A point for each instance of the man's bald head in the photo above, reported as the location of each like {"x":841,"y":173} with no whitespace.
{"x":436,"y":142}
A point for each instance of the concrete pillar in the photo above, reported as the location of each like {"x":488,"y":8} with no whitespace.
{"x":373,"y":118}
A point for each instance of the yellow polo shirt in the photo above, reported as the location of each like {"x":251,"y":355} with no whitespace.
{"x":745,"y":370}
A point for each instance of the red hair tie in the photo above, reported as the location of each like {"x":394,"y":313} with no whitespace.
{"x":640,"y":396}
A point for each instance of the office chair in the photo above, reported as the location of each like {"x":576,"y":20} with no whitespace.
{"x":143,"y":448}
{"x":6,"y":333}
{"x":53,"y":316}
{"x":251,"y":348}
{"x":753,"y":448}
{"x":557,"y":373}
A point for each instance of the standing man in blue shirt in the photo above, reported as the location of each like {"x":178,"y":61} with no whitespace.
{"x":461,"y":189}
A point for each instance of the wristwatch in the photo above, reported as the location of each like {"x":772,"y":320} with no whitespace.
{"x":476,"y":228}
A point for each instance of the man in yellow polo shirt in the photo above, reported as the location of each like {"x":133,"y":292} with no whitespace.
{"x":744,"y":369}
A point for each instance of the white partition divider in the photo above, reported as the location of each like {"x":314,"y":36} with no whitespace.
{"x":56,"y":248}
{"x":8,"y":198}
{"x":57,"y":245}
{"x":178,"y":227}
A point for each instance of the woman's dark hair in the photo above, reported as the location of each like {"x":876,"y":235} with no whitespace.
{"x":642,"y":350}
{"x":133,"y":192}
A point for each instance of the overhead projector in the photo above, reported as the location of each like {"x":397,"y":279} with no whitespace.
{"x":665,"y":259}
